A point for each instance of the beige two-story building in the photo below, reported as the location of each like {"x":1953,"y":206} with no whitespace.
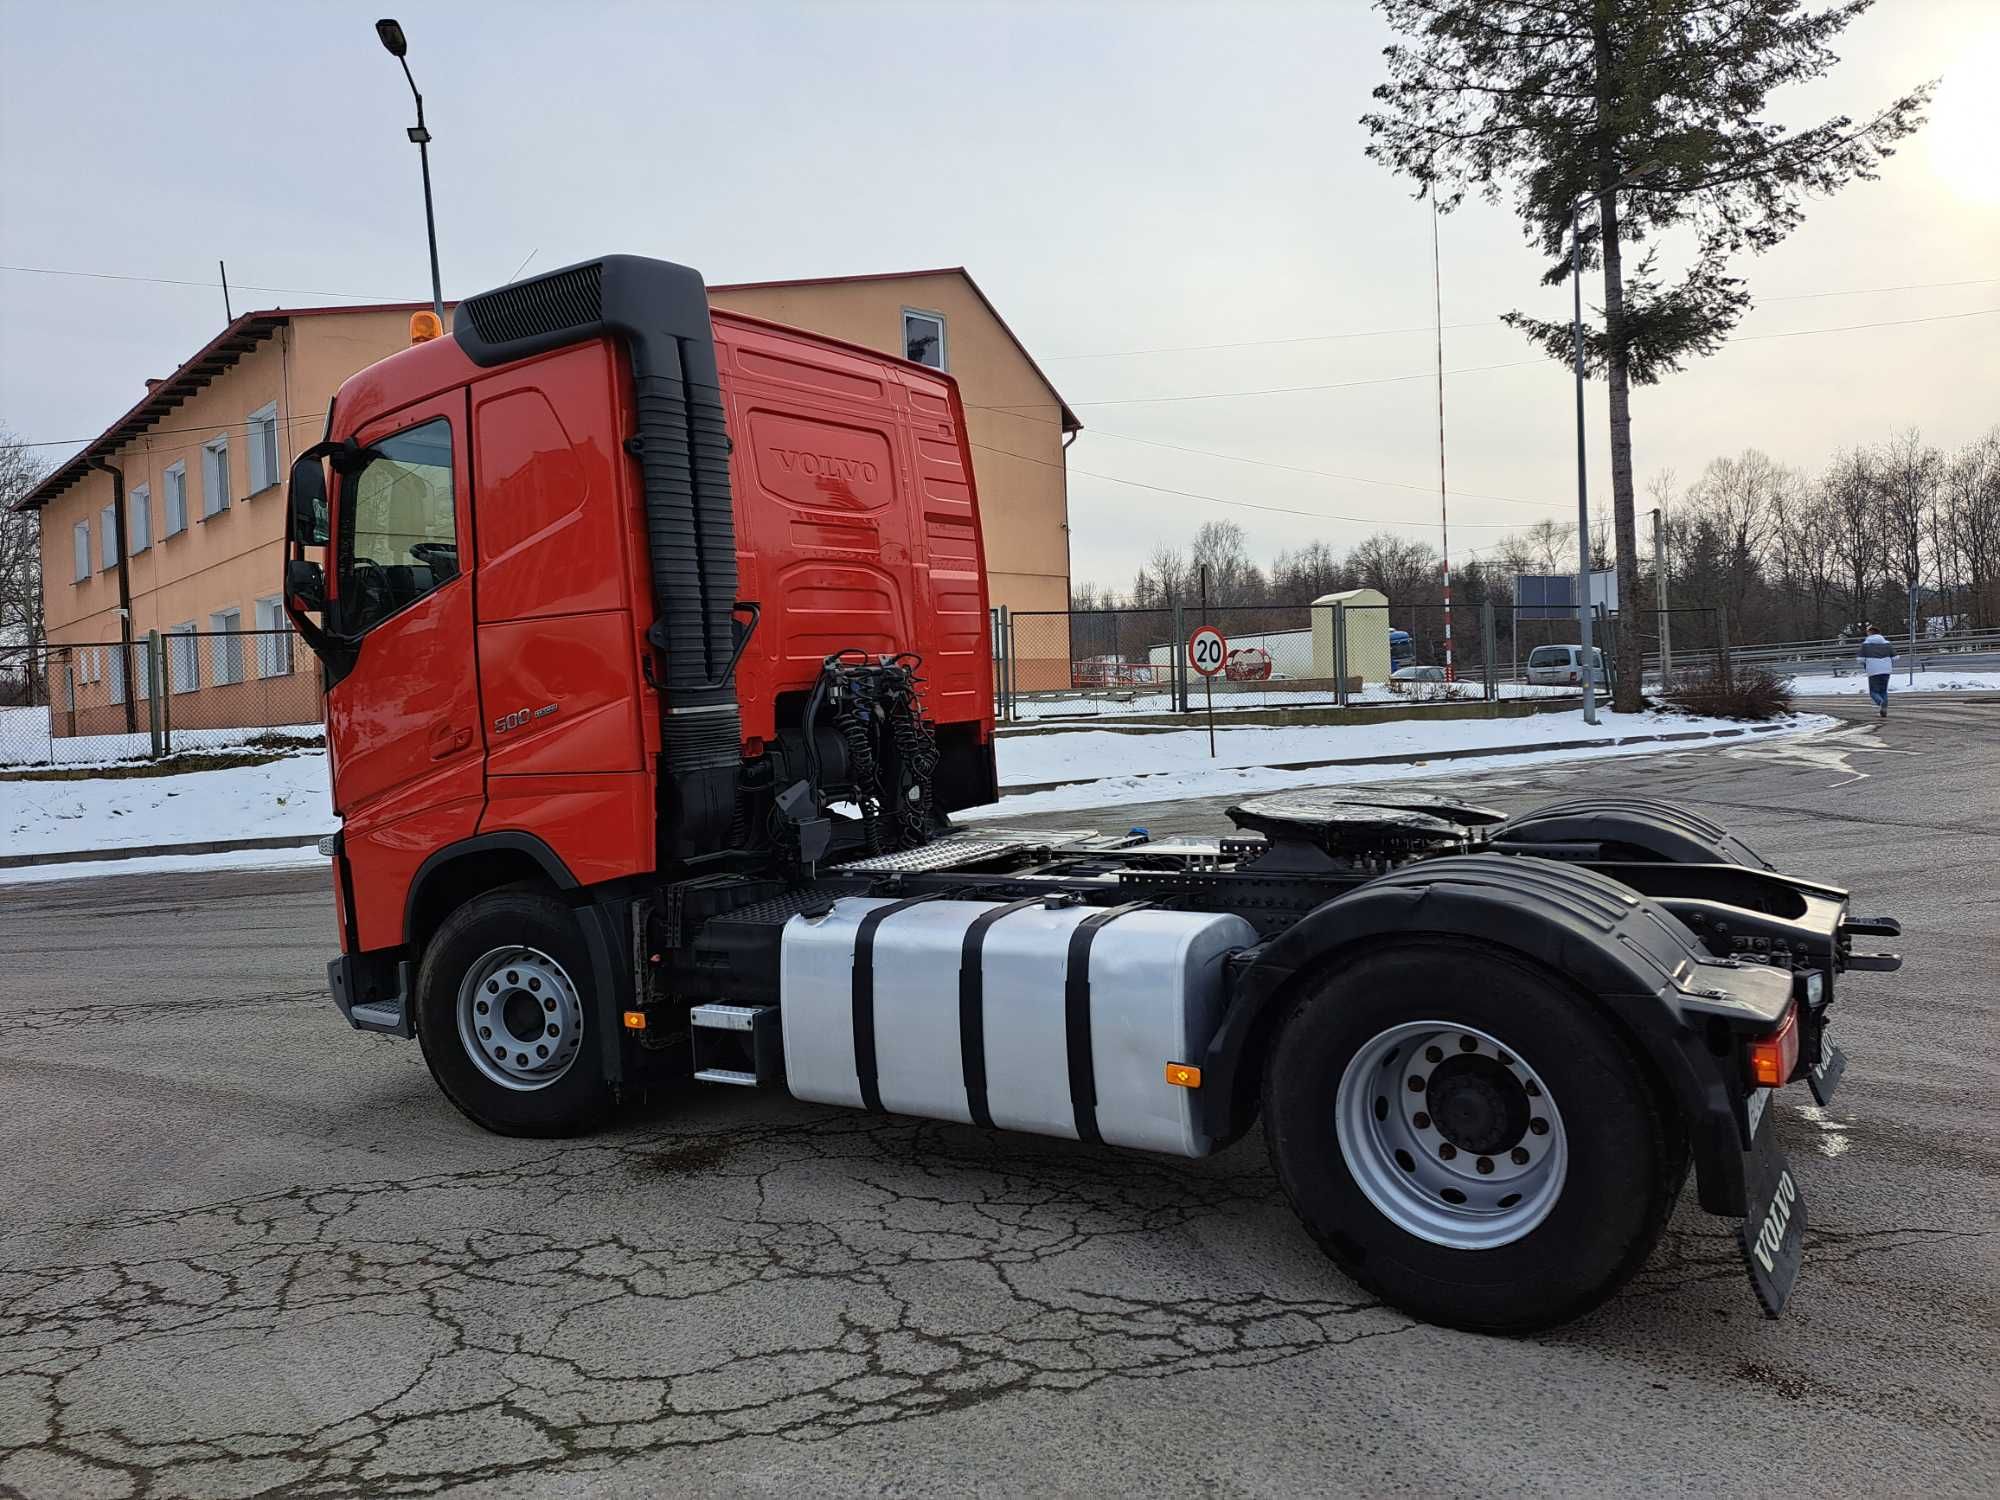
{"x":204,"y":454}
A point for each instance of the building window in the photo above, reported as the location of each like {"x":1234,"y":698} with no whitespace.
{"x":263,"y":448}
{"x":139,"y":519}
{"x":923,"y":338}
{"x":215,"y":476}
{"x":80,"y":550}
{"x":115,"y":690}
{"x":107,"y":538}
{"x":274,"y":639}
{"x":183,"y":659}
{"x":225,"y":647}
{"x":177,"y":498}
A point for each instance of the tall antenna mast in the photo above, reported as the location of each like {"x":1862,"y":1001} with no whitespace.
{"x":1444,"y":509}
{"x":227,"y":315}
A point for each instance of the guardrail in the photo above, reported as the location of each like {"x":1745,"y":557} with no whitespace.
{"x":1842,"y":654}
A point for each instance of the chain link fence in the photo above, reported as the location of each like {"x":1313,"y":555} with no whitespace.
{"x":82,"y":702}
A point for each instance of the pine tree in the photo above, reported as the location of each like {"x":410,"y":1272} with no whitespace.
{"x":1548,"y":102}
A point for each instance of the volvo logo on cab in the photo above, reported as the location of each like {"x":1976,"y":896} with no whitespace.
{"x":827,"y":465}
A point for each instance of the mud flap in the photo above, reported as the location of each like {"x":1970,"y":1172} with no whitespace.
{"x":1825,"y":1075}
{"x":1773,"y":1237}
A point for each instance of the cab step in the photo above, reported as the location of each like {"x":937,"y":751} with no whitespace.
{"x":737,"y":1044}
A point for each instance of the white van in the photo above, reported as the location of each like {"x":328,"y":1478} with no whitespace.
{"x":1562,"y":665}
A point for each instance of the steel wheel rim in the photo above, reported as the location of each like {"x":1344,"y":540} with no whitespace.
{"x":502,"y":992}
{"x":1410,"y":1145}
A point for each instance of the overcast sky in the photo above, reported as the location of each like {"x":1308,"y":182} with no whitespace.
{"x":1117,"y":177}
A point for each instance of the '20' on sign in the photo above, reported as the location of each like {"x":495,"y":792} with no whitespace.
{"x":1207,"y":651}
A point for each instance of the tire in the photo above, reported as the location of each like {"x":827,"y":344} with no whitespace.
{"x":1595,"y":1185}
{"x":518,"y":961}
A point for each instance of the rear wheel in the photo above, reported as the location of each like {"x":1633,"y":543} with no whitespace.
{"x":503,"y":1015}
{"x":1468,"y":1137}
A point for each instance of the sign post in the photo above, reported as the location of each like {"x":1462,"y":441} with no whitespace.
{"x":1207,"y":652}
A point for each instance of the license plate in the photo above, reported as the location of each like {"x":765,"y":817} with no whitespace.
{"x":1825,"y":1076}
{"x":1773,"y":1237}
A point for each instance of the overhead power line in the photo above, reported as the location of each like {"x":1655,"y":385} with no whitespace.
{"x":295,"y":291}
{"x":1518,"y":364}
{"x":1265,"y":463}
{"x":1376,"y":333}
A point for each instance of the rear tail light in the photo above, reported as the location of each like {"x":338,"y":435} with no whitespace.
{"x":1772,"y":1058}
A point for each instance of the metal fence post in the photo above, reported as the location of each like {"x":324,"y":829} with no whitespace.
{"x":1341,"y":655}
{"x":1177,"y":655}
{"x":1488,"y":640}
{"x":155,"y":722}
{"x":1722,"y":642}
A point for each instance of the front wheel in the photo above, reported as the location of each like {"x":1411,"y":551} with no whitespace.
{"x":504,"y":1016}
{"x":1468,"y":1138}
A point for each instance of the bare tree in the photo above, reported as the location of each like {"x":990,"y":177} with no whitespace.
{"x":20,"y":547}
{"x":1856,"y":534}
{"x":1969,"y":504}
{"x":1909,"y":474}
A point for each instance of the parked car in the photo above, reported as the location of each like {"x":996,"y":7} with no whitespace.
{"x":1553,"y":666}
{"x":1248,"y":664}
{"x":1417,"y":674}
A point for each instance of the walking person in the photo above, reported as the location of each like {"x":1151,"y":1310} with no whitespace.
{"x":1878,"y":660}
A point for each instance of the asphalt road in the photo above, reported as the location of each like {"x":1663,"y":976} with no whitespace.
{"x":244,"y":1250}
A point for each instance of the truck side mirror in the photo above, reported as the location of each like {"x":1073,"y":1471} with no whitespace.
{"x":308,"y":524}
{"x":305,"y":585}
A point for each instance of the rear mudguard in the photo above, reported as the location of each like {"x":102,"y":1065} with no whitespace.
{"x":1642,"y":966}
{"x":1623,"y":828}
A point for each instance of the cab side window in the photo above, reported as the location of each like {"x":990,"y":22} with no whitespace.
{"x":399,"y":533}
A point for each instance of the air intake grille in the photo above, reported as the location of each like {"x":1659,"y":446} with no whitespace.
{"x":568,"y":299}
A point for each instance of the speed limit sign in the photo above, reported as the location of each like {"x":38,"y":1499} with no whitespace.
{"x":1207,"y":651}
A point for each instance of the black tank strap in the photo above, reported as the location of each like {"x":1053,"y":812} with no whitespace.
{"x":1076,"y":1016}
{"x":972,"y":1006}
{"x":865,"y":1067}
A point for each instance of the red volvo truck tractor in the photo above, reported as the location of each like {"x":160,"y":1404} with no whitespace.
{"x":656,"y":660}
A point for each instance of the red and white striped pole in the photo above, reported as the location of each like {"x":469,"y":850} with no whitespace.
{"x":1444,"y":509}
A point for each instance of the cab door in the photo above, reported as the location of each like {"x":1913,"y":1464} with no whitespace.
{"x":403,"y":723}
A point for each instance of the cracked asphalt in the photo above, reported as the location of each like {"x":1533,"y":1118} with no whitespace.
{"x":246,"y":1251}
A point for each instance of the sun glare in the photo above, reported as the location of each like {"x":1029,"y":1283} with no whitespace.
{"x":1965,"y":122}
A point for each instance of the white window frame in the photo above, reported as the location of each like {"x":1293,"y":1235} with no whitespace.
{"x":183,"y":659}
{"x":139,"y":519}
{"x":226,"y":646}
{"x":263,"y":433}
{"x":274,"y":639}
{"x":79,"y":545}
{"x":943,"y":343}
{"x":107,"y":539}
{"x":215,"y":476}
{"x":176,"y":498}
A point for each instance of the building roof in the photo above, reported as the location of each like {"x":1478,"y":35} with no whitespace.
{"x":162,"y":396}
{"x":1069,"y":418}
{"x":251,"y":329}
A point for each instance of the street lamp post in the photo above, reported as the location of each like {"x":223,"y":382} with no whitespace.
{"x":397,"y":46}
{"x":1583,"y":604}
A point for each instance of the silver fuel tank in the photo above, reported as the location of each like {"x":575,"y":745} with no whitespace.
{"x":1033,"y":1015}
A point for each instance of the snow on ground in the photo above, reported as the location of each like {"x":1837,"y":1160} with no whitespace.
{"x":1939,"y":681}
{"x":290,"y":795}
{"x":25,"y":741}
{"x":1233,"y":697}
{"x":306,"y":856}
{"x":111,"y":812}
{"x":1180,"y":768}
